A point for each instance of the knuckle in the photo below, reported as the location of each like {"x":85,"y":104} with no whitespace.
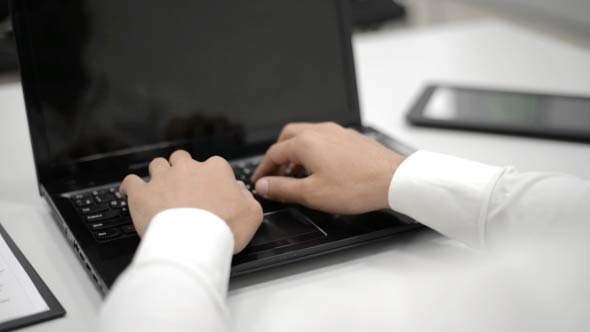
{"x":218,"y":162}
{"x":125,"y":184}
{"x":156,"y":161}
{"x":128,"y":178}
{"x":306,"y":135}
{"x":307,"y":138}
{"x":330,"y":125}
{"x":175,"y":154}
{"x":180,"y":155}
{"x":287,"y":128}
{"x":285,"y":132}
{"x":273,"y":148}
{"x":215,"y":160}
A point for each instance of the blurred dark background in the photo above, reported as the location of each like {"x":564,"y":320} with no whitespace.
{"x":567,"y":20}
{"x":366,"y":13}
{"x":8,"y":59}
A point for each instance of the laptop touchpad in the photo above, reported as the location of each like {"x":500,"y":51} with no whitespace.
{"x":283,"y":228}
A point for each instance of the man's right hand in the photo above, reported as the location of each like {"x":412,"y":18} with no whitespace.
{"x":349,"y":173}
{"x":183,"y":182}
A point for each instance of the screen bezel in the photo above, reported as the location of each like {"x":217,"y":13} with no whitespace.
{"x":416,"y":116}
{"x":70,"y":176}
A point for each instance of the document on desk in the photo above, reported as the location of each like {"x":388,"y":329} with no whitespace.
{"x":24,"y":298}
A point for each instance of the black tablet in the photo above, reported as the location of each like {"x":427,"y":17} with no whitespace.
{"x":505,"y":112}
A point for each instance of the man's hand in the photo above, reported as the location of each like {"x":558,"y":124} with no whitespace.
{"x":349,"y":173}
{"x":183,"y":182}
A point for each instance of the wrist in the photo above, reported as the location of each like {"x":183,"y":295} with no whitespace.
{"x":393,"y":162}
{"x":194,"y":239}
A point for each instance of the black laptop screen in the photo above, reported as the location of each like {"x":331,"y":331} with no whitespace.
{"x":110,"y":77}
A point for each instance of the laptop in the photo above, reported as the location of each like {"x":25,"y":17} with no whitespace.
{"x":109,"y":85}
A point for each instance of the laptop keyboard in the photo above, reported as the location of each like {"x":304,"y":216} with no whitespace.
{"x":106,"y":214}
{"x":243,"y":170}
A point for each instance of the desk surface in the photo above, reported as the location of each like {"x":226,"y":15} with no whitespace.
{"x":415,"y":282}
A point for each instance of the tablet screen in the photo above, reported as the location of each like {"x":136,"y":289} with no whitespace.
{"x":501,"y":109}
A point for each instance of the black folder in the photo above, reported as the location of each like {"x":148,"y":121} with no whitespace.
{"x":55,"y":308}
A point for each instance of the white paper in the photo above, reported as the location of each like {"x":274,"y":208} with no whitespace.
{"x":18,"y":295}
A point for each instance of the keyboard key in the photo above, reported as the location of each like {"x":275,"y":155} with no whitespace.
{"x":93,"y":209}
{"x":124,"y":211}
{"x":243,"y":171}
{"x":104,"y":198}
{"x":95,"y":226}
{"x":99,"y":192}
{"x":108,"y":223}
{"x":84,"y":202}
{"x":116,"y":204}
{"x":79,"y":196}
{"x":100,"y":216}
{"x":107,"y":233}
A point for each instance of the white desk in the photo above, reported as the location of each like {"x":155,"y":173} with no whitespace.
{"x":399,"y":285}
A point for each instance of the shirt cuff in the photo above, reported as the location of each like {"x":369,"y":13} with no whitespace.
{"x":447,"y":194}
{"x":191,"y":238}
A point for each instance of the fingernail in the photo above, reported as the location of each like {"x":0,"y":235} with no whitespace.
{"x":262,"y":187}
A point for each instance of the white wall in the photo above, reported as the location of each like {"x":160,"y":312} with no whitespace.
{"x":566,"y":14}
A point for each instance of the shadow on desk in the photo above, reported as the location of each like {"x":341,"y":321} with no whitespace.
{"x":422,"y":244}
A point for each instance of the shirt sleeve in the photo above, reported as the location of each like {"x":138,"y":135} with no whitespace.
{"x":483,"y":205}
{"x":178,"y":278}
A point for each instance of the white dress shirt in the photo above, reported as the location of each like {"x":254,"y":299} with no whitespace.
{"x":178,"y":279}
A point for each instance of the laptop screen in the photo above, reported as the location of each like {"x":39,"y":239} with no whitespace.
{"x":112,"y":77}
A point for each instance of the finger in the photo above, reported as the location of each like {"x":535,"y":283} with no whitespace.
{"x":131,"y":184}
{"x":179,"y":157}
{"x":280,"y":188}
{"x":157,"y":166}
{"x":293,"y":129}
{"x":278,"y":154}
